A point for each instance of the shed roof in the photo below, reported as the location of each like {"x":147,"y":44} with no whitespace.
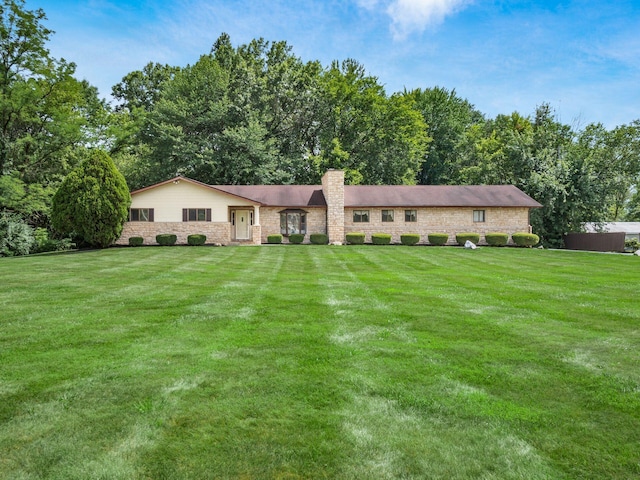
{"x":611,"y":227}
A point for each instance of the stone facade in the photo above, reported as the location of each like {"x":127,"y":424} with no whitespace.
{"x":449,"y":220}
{"x":170,"y":201}
{"x":216,"y":232}
{"x":270,"y":221}
{"x":333,"y":190}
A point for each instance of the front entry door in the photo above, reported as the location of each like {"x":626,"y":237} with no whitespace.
{"x":242,"y":224}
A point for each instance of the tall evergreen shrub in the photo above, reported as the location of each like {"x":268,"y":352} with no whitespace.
{"x":93,"y":202}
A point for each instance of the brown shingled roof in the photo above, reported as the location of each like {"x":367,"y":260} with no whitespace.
{"x":436,"y":196}
{"x":376,"y":195}
{"x":278,"y":195}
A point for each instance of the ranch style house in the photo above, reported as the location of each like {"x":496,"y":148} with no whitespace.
{"x":247,"y":214}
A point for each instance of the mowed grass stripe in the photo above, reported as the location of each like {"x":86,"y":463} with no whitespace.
{"x":319,"y":362}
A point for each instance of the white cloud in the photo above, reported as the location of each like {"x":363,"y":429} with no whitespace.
{"x":410,"y":16}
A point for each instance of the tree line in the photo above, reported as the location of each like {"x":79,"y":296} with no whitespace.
{"x":258,"y":114}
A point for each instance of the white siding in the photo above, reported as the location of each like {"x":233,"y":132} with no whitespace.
{"x":168,"y":201}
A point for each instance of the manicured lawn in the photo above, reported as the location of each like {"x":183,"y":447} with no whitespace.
{"x":320,"y":362}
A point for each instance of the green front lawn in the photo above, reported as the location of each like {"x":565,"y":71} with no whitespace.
{"x":353,"y":362}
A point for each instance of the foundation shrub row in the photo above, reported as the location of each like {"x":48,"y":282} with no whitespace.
{"x":166,"y":239}
{"x":438,"y":239}
{"x":525,"y":239}
{"x":409,"y":238}
{"x":355,"y":238}
{"x":494,"y":239}
{"x":381,"y":238}
{"x":319,"y":238}
{"x":196,"y":239}
{"x":462,"y":238}
{"x":135,"y":241}
{"x":296,"y":238}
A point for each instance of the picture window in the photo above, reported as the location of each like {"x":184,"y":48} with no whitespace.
{"x":292,"y":221}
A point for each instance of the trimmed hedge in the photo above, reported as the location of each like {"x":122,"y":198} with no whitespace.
{"x":274,"y":238}
{"x":319,"y":238}
{"x":135,"y":241}
{"x":381,"y":238}
{"x":523,"y":239}
{"x":438,"y":238}
{"x":196,"y":239}
{"x":461,"y":238}
{"x":296,"y":238}
{"x":166,"y":239}
{"x":496,"y":239}
{"x":355,"y":238}
{"x":409,"y":238}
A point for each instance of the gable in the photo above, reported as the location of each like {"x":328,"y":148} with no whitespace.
{"x":169,"y":198}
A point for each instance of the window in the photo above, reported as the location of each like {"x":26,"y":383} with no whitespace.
{"x":478,"y":215}
{"x":196,"y":214}
{"x":387,"y":215}
{"x":361,"y":216}
{"x":141,"y":214}
{"x":293,"y":221}
{"x":410,"y":215}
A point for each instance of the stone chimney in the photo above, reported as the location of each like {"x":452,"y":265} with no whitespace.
{"x":333,"y":190}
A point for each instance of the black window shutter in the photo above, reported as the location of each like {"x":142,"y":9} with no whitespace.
{"x":185,"y":215}
{"x":208,"y":214}
{"x":151,"y":214}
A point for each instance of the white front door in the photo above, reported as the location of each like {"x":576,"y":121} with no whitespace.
{"x":242,"y":224}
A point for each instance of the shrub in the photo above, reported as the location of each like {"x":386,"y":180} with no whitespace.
{"x":166,"y":239}
{"x":16,"y":237}
{"x":135,"y":241}
{"x":196,"y":239}
{"x":497,"y":239}
{"x":409,"y":238}
{"x":92,"y":202}
{"x":632,"y":244}
{"x":274,"y":238}
{"x":44,"y":243}
{"x":355,"y":238}
{"x":296,"y":238}
{"x":381,"y":238}
{"x":461,"y":238}
{"x":319,"y":238}
{"x":438,"y":238}
{"x":523,"y":239}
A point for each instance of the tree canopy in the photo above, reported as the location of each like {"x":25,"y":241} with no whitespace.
{"x":257,"y":113}
{"x":45,"y":113}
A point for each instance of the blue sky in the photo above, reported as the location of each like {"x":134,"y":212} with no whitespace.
{"x":580,"y":56}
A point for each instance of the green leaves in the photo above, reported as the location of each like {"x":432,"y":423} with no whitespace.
{"x":93,"y":201}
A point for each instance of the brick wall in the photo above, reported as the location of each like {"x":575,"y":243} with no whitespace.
{"x":216,"y":232}
{"x":333,"y":190}
{"x":449,"y":220}
{"x":270,"y":221}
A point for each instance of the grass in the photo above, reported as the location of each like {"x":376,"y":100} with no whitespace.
{"x":320,"y":362}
